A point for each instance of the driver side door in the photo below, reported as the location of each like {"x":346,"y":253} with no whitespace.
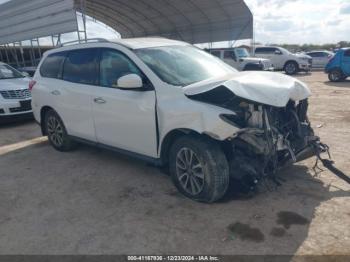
{"x":124,"y":119}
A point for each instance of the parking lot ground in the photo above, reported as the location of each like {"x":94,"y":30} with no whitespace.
{"x":93,"y":201}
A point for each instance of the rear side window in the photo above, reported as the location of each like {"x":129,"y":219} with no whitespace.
{"x":52,"y":65}
{"x":318,"y":54}
{"x":265,"y":50}
{"x":81,"y":66}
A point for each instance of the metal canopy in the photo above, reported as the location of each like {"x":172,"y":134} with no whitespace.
{"x":194,"y":21}
{"x":25,"y":20}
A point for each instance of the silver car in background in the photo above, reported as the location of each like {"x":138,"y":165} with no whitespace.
{"x":320,"y":58}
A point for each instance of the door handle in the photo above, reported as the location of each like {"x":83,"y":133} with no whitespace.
{"x":56,"y":93}
{"x":99,"y":100}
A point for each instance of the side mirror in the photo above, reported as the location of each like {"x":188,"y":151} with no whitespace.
{"x":130,"y":81}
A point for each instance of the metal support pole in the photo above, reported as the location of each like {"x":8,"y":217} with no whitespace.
{"x":7,"y":55}
{"x":32,"y":53}
{"x":1,"y":57}
{"x":13,"y":52}
{"x":22,"y":54}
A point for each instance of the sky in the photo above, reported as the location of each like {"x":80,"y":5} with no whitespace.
{"x":282,"y":21}
{"x":301,"y":21}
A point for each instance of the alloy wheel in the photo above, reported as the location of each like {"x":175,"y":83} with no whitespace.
{"x":189,"y":171}
{"x":335,"y":76}
{"x":55,"y":131}
{"x":290,"y":68}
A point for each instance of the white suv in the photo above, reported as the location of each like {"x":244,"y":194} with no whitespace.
{"x":240,"y":59}
{"x":172,"y":104}
{"x":15,"y":98}
{"x":284,"y":60}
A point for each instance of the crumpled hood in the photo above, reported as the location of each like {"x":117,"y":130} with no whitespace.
{"x":14,"y":84}
{"x":268,"y":88}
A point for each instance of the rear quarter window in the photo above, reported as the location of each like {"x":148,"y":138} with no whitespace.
{"x":52,"y":65}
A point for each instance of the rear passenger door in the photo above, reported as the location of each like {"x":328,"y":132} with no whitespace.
{"x":346,"y":62}
{"x":80,"y":78}
{"x":124,"y":119}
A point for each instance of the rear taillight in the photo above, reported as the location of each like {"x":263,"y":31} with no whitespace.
{"x":31,"y":85}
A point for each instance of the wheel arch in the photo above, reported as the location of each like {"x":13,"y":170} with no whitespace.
{"x":290,"y":61}
{"x":173,"y":135}
{"x":43,"y":112}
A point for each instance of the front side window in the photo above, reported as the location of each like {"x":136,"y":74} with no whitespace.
{"x":52,"y":65}
{"x":80,"y":66}
{"x":114,"y":65}
{"x":347,"y":53}
{"x":7,"y":72}
{"x":182,"y":65}
{"x":229,"y":55}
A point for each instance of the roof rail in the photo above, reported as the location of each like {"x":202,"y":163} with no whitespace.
{"x":91,"y":40}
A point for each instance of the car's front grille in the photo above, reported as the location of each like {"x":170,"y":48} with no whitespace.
{"x":16,"y":94}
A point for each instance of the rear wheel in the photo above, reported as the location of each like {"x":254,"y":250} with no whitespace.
{"x":335,"y":75}
{"x":57,"y":133}
{"x":291,"y":68}
{"x":199,"y":168}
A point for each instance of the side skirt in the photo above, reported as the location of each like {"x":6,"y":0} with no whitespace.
{"x":154,"y":161}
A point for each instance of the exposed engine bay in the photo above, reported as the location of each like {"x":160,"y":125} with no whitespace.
{"x":269,"y":137}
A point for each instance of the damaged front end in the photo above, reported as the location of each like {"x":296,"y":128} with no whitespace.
{"x":269,"y":136}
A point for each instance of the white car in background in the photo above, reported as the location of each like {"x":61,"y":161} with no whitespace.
{"x":15,"y":98}
{"x":284,"y":60}
{"x":240,"y":59}
{"x":320,"y":58}
{"x":172,"y":104}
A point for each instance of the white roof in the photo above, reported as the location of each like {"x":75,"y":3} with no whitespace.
{"x":148,"y":42}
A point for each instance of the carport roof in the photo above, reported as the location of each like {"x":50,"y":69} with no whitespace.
{"x":194,"y":21}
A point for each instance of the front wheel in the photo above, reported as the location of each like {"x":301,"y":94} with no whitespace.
{"x":199,"y":168}
{"x":336,"y":75}
{"x":57,"y":133}
{"x":291,"y":68}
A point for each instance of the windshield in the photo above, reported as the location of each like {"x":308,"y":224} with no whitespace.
{"x":182,"y":65}
{"x":242,"y":52}
{"x":7,"y":72}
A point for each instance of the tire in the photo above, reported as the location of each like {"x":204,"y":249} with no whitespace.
{"x":57,"y":134}
{"x":291,"y":68}
{"x":209,"y":171}
{"x":336,"y":75}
